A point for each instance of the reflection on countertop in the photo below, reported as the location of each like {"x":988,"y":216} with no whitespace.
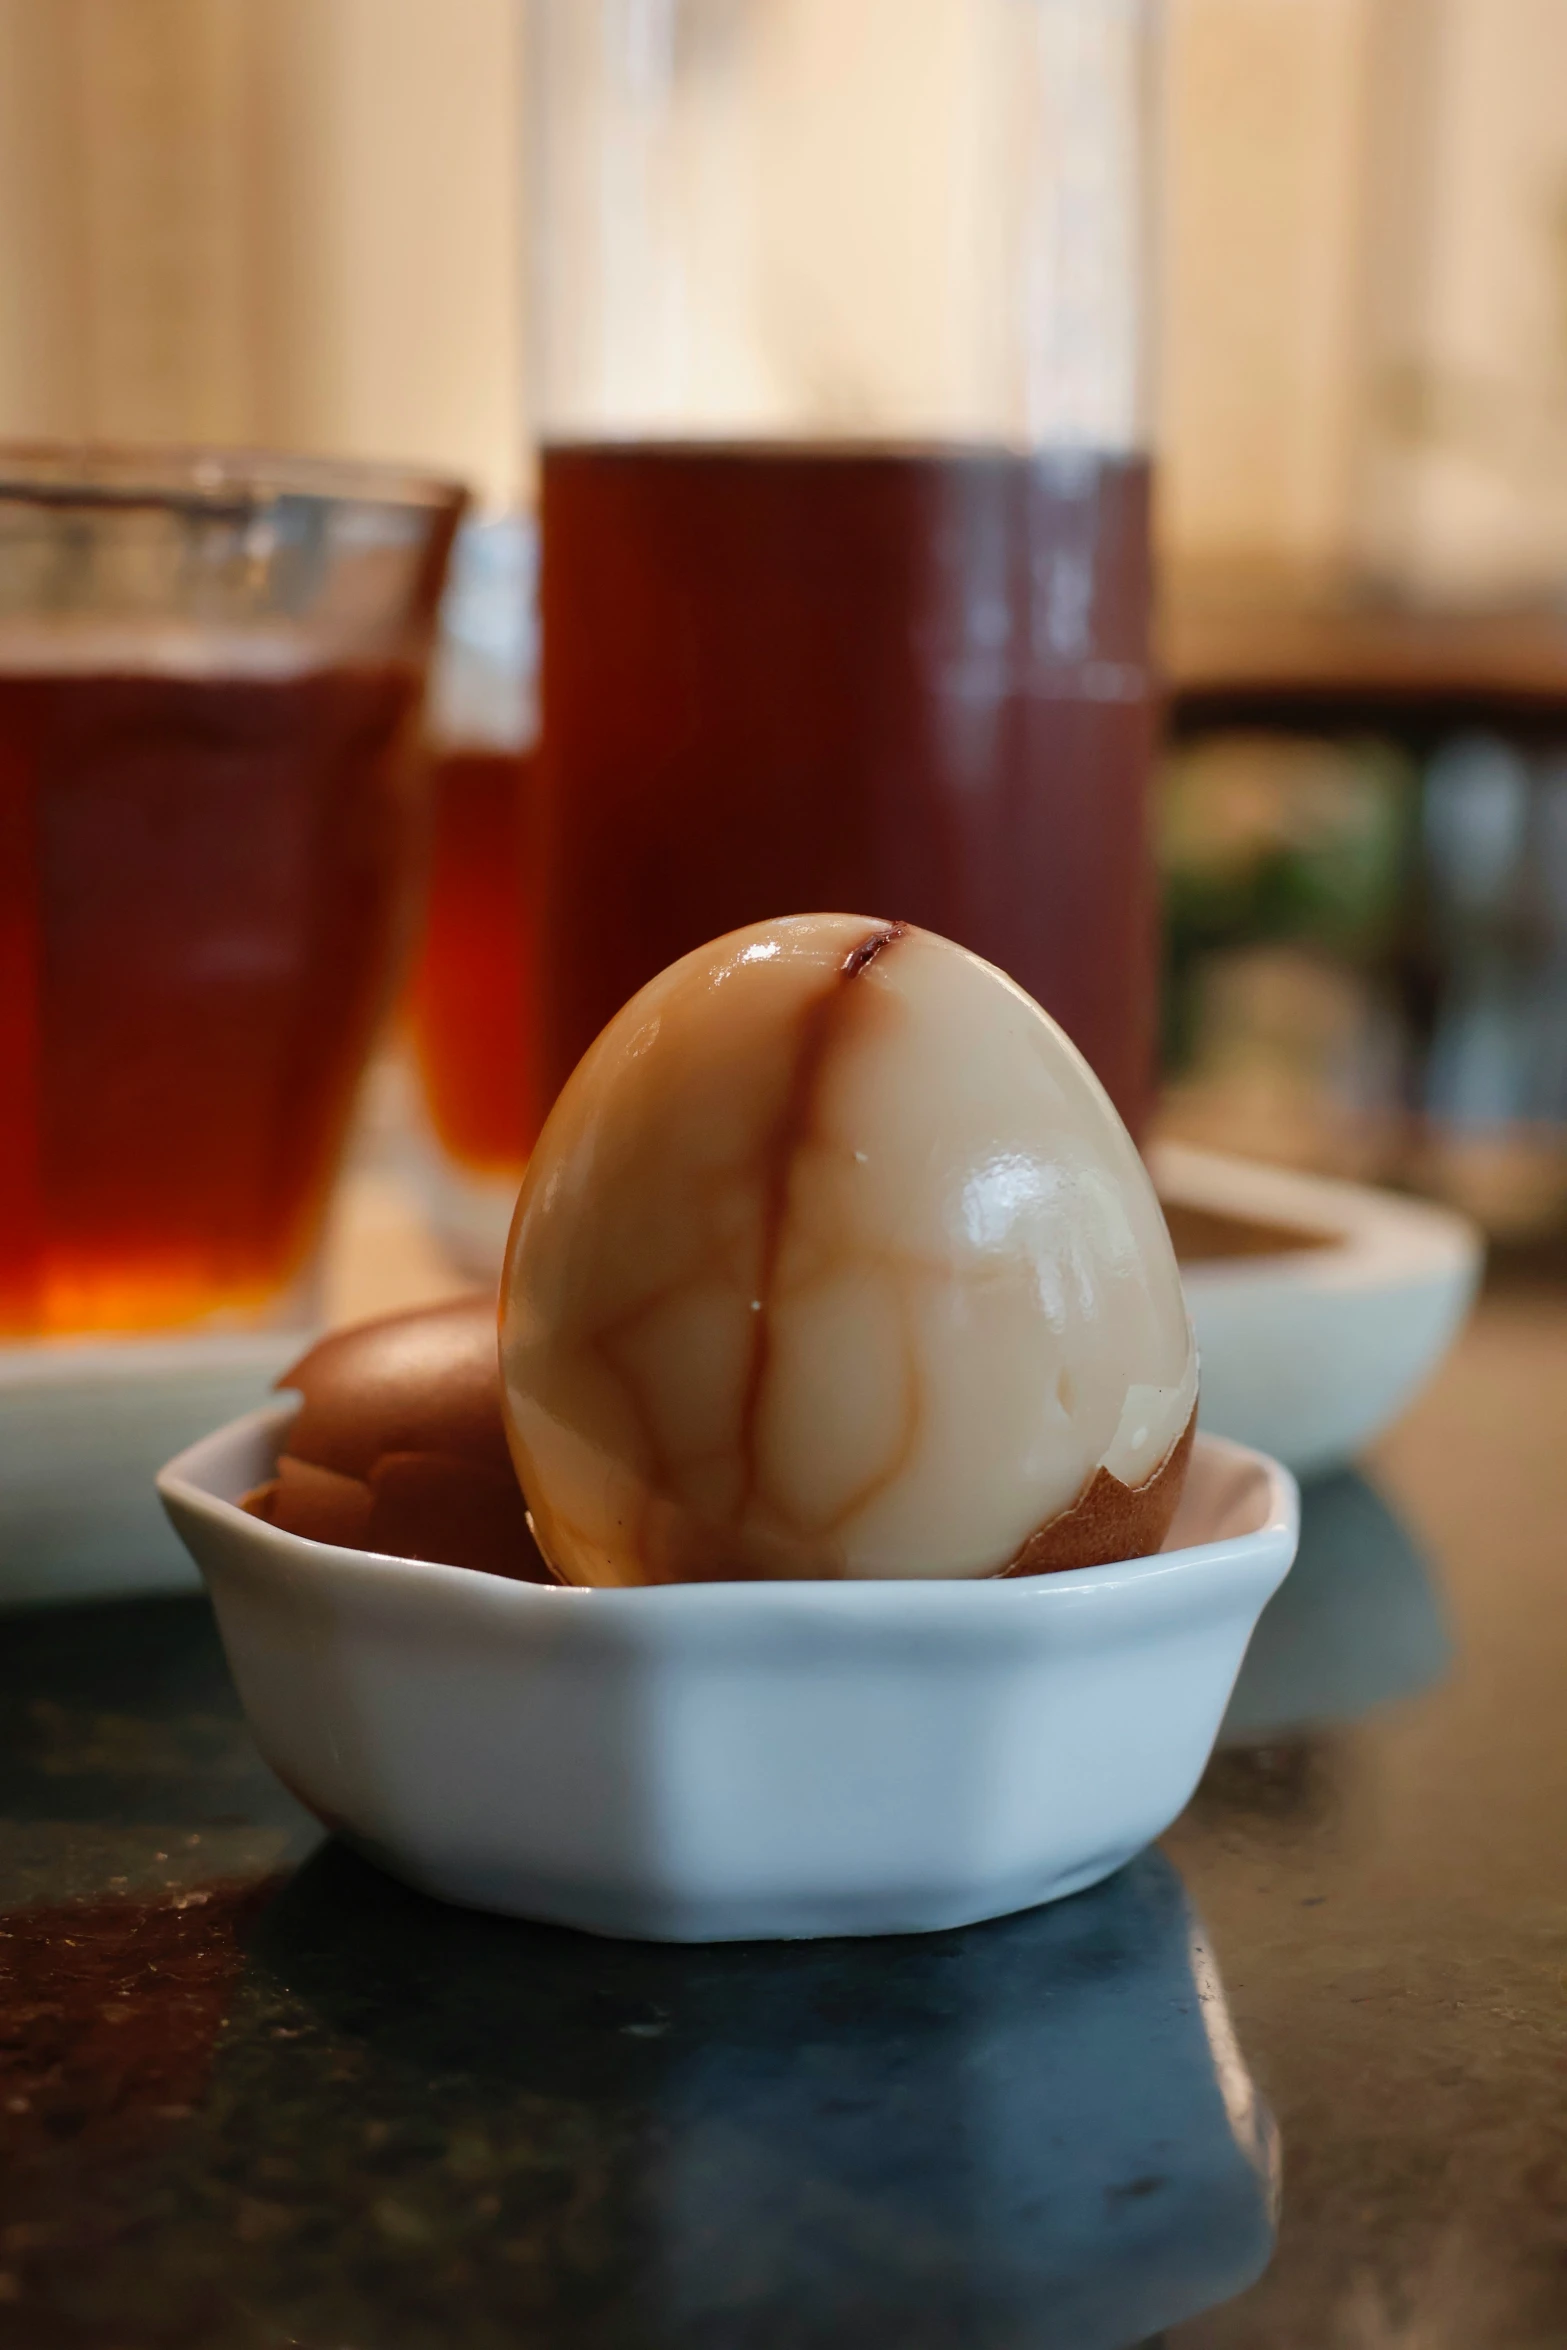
{"x":1386,"y":1899}
{"x":243,"y":2101}
{"x":244,"y":2106}
{"x":1357,"y":1622}
{"x":1036,"y":2130}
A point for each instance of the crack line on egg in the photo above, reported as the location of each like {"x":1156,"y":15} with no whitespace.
{"x":667,"y":1472}
{"x":821,"y":1019}
{"x":799,"y":1255}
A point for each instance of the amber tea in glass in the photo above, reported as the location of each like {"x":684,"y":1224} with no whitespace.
{"x":210,"y":675}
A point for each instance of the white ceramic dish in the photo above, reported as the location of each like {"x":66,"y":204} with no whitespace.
{"x":1309,"y":1355}
{"x":83,"y":1426}
{"x":84,"y":1423}
{"x":731,"y":1761}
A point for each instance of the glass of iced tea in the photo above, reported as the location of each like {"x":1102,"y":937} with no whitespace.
{"x":466,"y":1008}
{"x":841,"y":321}
{"x":211,"y":668}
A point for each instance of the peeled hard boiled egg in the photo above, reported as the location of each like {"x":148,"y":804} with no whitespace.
{"x":833,"y":1259}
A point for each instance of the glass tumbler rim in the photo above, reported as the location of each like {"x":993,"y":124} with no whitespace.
{"x":211,"y":479}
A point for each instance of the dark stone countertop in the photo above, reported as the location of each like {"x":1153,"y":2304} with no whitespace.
{"x":252,"y":2094}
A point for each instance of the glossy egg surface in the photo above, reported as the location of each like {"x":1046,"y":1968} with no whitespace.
{"x":834,"y":1260}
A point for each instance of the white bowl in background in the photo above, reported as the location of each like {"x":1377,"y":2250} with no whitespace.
{"x":730,"y":1761}
{"x":1309,"y":1355}
{"x":83,"y":1426}
{"x":85,"y":1421}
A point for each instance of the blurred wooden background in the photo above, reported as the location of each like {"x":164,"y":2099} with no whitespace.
{"x":282,"y":221}
{"x":298,"y":221}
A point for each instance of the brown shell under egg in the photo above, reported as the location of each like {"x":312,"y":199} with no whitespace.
{"x":1107,"y":1522}
{"x":399,"y":1446}
{"x":1110,"y":1521}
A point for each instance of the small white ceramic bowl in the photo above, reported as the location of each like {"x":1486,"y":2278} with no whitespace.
{"x":1311,"y":1354}
{"x":732,"y":1761}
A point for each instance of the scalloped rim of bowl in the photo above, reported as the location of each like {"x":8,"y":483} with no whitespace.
{"x":1311,"y":1353}
{"x":735,"y":1761}
{"x":1261,"y":1504}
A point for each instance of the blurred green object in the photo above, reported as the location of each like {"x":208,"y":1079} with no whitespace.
{"x":1275,"y":839}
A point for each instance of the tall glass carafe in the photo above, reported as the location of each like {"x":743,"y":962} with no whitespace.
{"x":840,"y":315}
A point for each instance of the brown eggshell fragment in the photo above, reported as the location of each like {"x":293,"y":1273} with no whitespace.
{"x":421,"y":1382}
{"x":428,"y":1505}
{"x":1109,"y":1520}
{"x":322,"y":1502}
{"x":399,"y":1446}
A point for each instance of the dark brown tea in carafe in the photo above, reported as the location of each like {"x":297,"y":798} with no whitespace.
{"x":912,"y":684}
{"x":201,"y":869}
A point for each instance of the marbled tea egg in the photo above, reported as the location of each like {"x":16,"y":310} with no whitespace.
{"x":833,"y":1259}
